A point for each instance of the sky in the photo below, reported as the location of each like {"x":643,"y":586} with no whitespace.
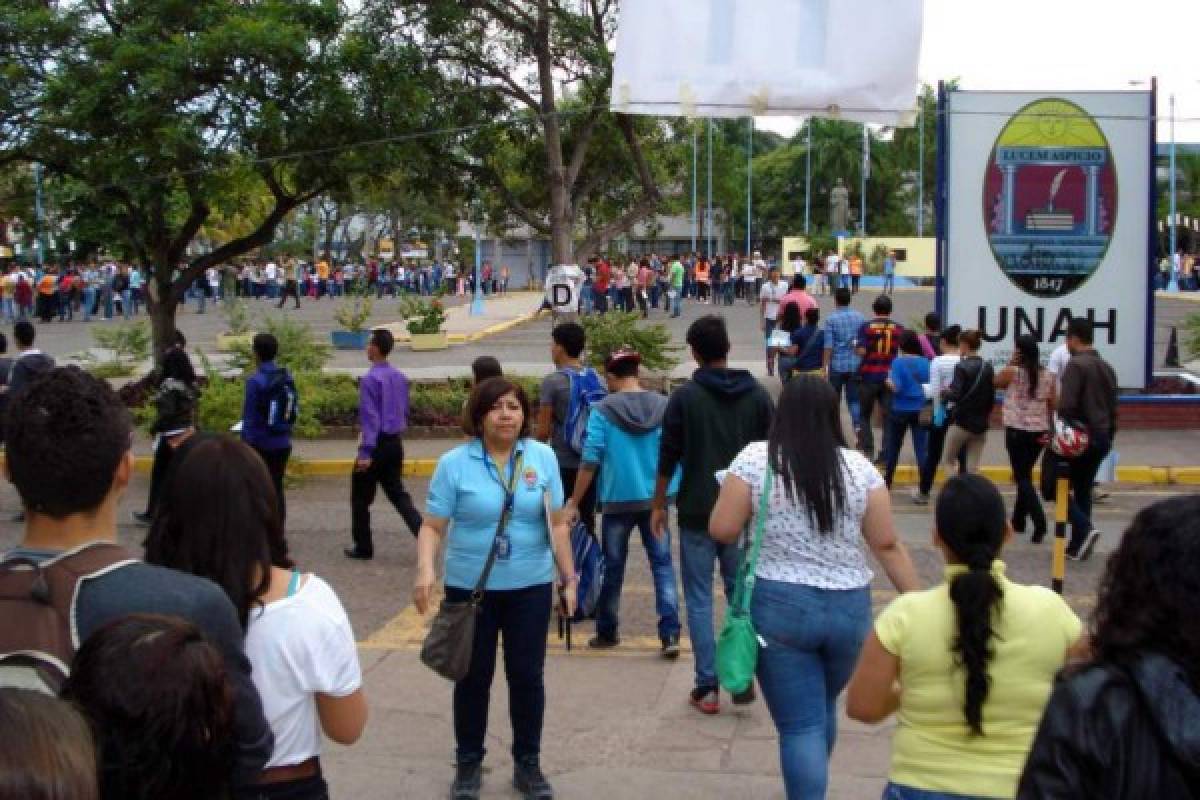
{"x":1063,"y":45}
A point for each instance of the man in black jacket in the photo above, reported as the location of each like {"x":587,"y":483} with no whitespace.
{"x":69,"y":458}
{"x":707,"y":423}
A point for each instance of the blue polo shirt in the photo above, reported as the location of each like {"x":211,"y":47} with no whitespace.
{"x":468,"y":490}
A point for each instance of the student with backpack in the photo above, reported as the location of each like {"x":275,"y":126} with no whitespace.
{"x":564,"y":402}
{"x":623,"y":435}
{"x":269,"y":412}
{"x":68,"y":578}
{"x":383,"y":416}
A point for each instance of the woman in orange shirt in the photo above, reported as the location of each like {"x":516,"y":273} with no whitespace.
{"x":703,"y":279}
{"x":47,"y":296}
{"x":855,"y":273}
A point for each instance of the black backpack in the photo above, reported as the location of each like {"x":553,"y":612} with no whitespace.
{"x":283,"y":403}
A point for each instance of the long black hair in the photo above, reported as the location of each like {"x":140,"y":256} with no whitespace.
{"x":220,"y":520}
{"x":790,"y":319}
{"x":1031,"y":361}
{"x":971,"y":524}
{"x":804,"y":447}
{"x":1146,"y":601}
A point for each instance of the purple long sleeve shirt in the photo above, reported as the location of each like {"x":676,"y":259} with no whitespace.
{"x":382,"y":405}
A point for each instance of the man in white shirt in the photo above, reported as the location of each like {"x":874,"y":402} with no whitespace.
{"x":770,"y":297}
{"x":271,"y":276}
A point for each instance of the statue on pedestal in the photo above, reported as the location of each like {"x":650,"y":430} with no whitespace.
{"x":839,"y":207}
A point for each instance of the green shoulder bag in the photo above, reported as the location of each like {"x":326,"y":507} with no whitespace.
{"x":737,"y":646}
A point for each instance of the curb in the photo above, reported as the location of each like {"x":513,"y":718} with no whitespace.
{"x":905,"y":475}
{"x":501,"y":327}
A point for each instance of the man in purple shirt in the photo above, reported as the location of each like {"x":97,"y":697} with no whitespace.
{"x":382,"y":415}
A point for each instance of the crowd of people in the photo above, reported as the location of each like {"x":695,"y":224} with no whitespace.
{"x":218,"y":619}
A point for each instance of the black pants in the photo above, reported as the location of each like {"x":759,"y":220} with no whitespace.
{"x":386,"y":464}
{"x":587,"y":506}
{"x":521,"y":617}
{"x":163,"y":454}
{"x":870,"y":393}
{"x":276,"y":461}
{"x":933,"y":457}
{"x":313,"y":788}
{"x":290,"y":288}
{"x":1024,"y":449}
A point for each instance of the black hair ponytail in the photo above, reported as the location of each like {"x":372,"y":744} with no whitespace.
{"x":971,"y":523}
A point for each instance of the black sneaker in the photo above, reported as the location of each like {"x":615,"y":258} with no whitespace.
{"x":356,"y":554}
{"x":1089,"y":544}
{"x":599,"y":642}
{"x":670,"y":647}
{"x":142,"y":518}
{"x":745,"y":698}
{"x":530,"y":782}
{"x":468,"y":781}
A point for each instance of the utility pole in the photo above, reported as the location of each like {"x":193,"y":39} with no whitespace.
{"x":749,"y":182}
{"x":921,"y":165}
{"x":695,"y":173}
{"x":1174,"y":284}
{"x":708,"y":218}
{"x":808,"y":178}
{"x":37,"y":215}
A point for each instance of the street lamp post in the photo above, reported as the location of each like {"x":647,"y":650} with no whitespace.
{"x":477,"y":297}
{"x":695,"y":181}
{"x":1174,"y":284}
{"x":749,"y":182}
{"x":708,"y":220}
{"x":808,"y":177}
{"x":921,"y":166}
{"x":866,"y":168}
{"x":37,"y":214}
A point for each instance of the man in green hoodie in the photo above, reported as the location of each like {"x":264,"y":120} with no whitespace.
{"x":623,"y":434}
{"x":707,"y":422}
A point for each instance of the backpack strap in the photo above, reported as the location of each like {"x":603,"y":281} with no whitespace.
{"x":64,"y":574}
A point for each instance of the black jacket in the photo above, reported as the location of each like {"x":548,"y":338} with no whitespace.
{"x":1111,"y":733}
{"x":972,"y":394}
{"x":707,"y":423}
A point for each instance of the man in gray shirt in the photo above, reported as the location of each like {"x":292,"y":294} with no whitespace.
{"x":554,"y":403}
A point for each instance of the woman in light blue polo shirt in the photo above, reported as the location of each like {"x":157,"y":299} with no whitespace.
{"x":500,"y":468}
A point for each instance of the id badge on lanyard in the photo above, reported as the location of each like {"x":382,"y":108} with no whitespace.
{"x":503,"y":542}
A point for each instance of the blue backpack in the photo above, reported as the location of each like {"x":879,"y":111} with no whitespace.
{"x":283,"y":403}
{"x":586,"y":390}
{"x":589,"y":564}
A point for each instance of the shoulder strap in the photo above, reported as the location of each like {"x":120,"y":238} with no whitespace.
{"x":810,"y":344}
{"x":505,"y":513}
{"x":745,"y":579}
{"x":975,"y":384}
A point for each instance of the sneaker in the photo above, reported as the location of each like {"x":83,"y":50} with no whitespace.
{"x":468,"y":781}
{"x":706,"y":701}
{"x":919,"y":498}
{"x":599,"y":642}
{"x":1101,"y":497}
{"x":670,"y":647}
{"x":357,"y":555}
{"x":142,"y":518}
{"x":1089,"y":544}
{"x":745,"y":698}
{"x":530,"y":782}
{"x":1038,"y":536}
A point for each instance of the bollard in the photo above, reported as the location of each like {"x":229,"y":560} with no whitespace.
{"x":1061,"y":497}
{"x":1172,"y":359}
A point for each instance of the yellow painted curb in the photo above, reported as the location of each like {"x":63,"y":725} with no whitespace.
{"x":501,"y":327}
{"x":1185,"y":476}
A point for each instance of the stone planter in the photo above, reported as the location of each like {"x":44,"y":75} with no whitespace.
{"x":350,"y":340}
{"x":428,"y":341}
{"x":228,"y":342}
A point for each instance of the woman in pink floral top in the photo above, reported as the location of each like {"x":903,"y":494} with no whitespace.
{"x":1028,"y":402}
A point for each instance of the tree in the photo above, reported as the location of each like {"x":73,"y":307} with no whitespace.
{"x":543,"y":69}
{"x":153,"y":116}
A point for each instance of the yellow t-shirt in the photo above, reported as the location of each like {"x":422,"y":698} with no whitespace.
{"x":933,"y":748}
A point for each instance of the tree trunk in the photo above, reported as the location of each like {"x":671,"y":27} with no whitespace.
{"x":161,"y":304}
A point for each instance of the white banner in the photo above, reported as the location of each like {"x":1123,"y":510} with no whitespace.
{"x":849,"y":59}
{"x":1048,"y":217}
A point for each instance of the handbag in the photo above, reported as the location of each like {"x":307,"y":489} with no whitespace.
{"x":737,"y":646}
{"x":450,"y":642}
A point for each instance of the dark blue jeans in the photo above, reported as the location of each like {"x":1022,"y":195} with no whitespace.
{"x":522,"y":617}
{"x":1083,"y":476}
{"x":813,"y":637}
{"x":899,"y":423}
{"x":896,"y":791}
{"x":697,"y":552}
{"x":616,"y":529}
{"x":849,"y":382}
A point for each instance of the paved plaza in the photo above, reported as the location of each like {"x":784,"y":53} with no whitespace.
{"x":618,"y":724}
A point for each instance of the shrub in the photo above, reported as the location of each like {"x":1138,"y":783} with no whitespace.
{"x":237,"y":315}
{"x":609,"y":332}
{"x":353,"y":312}
{"x":1191,"y":335}
{"x":128,"y":343}
{"x":111,"y":369}
{"x":299,"y":350}
{"x":423,"y":314}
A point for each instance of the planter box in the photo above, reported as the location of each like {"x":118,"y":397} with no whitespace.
{"x":350,"y":340}
{"x":228,"y":342}
{"x":428,"y":341}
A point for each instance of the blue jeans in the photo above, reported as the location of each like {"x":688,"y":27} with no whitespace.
{"x":900,"y":422}
{"x":697,"y":551}
{"x":849,"y":382}
{"x":889,"y":284}
{"x":1083,"y":476}
{"x":676,"y":299}
{"x":615,"y":532}
{"x":896,"y":791}
{"x":127,"y":303}
{"x":813,"y":637}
